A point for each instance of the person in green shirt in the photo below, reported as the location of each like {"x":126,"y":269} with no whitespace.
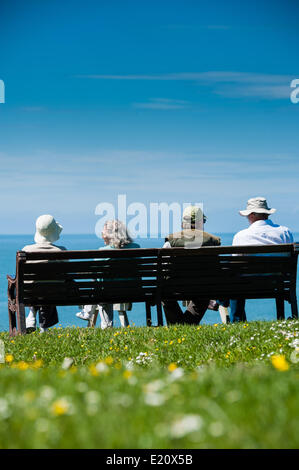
{"x":192,"y":235}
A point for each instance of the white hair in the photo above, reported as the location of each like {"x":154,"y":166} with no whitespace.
{"x":116,"y":233}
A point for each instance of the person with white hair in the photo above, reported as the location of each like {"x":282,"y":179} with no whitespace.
{"x":116,"y":237}
{"x":261,"y":231}
{"x":47,"y":232}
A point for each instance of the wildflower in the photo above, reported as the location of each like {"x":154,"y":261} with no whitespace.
{"x":279,"y":362}
{"x":9,"y":358}
{"x":101,"y":367}
{"x":22,"y":365}
{"x":295,"y":356}
{"x":67,"y":362}
{"x":127,"y":374}
{"x":154,"y":386}
{"x":154,"y":399}
{"x":172,"y":366}
{"x":177,"y":374}
{"x":37,"y":364}
{"x":109,"y":360}
{"x":179,"y":340}
{"x":60,"y":407}
{"x":93,"y":370}
{"x":185,"y":425}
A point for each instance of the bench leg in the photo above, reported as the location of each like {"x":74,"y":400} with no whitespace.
{"x":159,"y":314}
{"x":294,"y":306}
{"x":93,"y":319}
{"x":148,"y":314}
{"x":12,"y":322}
{"x":280,"y":308}
{"x":21,"y":319}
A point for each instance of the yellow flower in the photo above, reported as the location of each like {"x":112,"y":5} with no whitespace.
{"x":172,"y":366}
{"x":279,"y":362}
{"x":22,"y":365}
{"x":127,"y":374}
{"x":37,"y":364}
{"x":93,"y":370}
{"x":179,"y":340}
{"x":60,"y":407}
{"x":109,"y":360}
{"x":9,"y":358}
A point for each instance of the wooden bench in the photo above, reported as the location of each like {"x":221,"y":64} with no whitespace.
{"x":150,"y":276}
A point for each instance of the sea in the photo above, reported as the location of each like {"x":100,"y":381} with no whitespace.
{"x":261,"y":309}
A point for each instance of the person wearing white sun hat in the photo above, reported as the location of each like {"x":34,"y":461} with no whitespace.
{"x":47,"y":232}
{"x":261,"y":231}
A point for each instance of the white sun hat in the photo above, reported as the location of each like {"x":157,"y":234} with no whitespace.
{"x":258,"y":205}
{"x":47,"y":229}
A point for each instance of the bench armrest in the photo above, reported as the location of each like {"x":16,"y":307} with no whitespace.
{"x":11,"y":287}
{"x":11,"y":279}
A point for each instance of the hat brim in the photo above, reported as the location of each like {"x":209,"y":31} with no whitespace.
{"x":246,"y":212}
{"x":51,"y":237}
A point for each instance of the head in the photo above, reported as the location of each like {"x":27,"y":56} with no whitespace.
{"x":254,"y":216}
{"x":193,"y":218}
{"x":115,"y":234}
{"x":47,"y":229}
{"x":257,"y":209}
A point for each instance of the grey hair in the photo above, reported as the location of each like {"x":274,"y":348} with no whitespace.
{"x":117,"y":234}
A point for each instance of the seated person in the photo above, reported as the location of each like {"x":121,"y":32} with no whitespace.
{"x":192,"y":235}
{"x":47,"y":232}
{"x":261,"y":231}
{"x":115,"y":236}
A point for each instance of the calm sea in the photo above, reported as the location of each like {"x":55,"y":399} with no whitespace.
{"x":9,"y":244}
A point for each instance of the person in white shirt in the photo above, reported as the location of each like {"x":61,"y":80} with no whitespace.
{"x":261,"y":231}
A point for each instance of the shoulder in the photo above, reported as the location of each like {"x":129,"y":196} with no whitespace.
{"x":171,"y":236}
{"x":240,"y":236}
{"x":60,"y":247}
{"x":210,"y":239}
{"x":28,"y":248}
{"x":132,"y":245}
{"x":106,"y":247}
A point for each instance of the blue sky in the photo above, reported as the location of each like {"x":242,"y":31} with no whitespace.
{"x":169,"y":101}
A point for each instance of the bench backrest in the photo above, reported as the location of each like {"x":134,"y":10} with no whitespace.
{"x":138,"y":275}
{"x":215,"y":273}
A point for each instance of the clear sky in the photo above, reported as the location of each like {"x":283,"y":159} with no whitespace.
{"x":164,"y":101}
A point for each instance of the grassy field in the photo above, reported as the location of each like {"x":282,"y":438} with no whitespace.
{"x":213,"y":386}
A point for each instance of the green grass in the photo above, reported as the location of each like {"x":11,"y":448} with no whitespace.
{"x":221,"y":386}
